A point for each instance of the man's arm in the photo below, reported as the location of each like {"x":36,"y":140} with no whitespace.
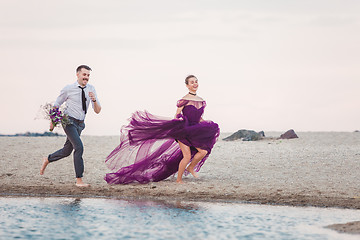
{"x":61,"y":98}
{"x":96,"y":105}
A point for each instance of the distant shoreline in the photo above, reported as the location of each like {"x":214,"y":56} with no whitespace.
{"x":33,"y":134}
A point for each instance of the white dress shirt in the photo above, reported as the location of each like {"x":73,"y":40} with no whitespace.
{"x":71,"y":94}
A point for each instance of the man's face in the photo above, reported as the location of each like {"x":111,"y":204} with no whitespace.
{"x":83,"y":77}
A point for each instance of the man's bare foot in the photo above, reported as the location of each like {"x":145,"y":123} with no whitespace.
{"x":191,"y":170}
{"x":82,"y":185}
{"x":45,"y":163}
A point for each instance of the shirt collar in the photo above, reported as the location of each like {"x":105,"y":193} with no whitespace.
{"x":77,"y":84}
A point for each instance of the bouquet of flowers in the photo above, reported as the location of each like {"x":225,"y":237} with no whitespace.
{"x":56,"y":115}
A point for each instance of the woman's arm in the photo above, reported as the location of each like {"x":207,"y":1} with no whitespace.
{"x":178,"y":111}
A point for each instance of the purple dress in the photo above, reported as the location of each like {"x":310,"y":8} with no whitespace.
{"x":148,"y":150}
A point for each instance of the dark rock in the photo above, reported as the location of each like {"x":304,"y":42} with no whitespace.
{"x":245,"y":135}
{"x":288,"y":135}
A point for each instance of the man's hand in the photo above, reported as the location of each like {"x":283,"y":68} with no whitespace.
{"x":51,"y":126}
{"x":97,"y":107}
{"x":92,"y":96}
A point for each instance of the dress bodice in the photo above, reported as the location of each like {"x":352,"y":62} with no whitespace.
{"x":193,"y":110}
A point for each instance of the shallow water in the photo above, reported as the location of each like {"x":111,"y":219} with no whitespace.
{"x":89,"y":218}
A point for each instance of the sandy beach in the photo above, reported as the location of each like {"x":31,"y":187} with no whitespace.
{"x":317,"y":169}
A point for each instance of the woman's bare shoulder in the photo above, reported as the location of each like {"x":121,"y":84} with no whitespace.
{"x":192,"y":98}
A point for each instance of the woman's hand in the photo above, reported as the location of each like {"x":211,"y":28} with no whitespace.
{"x":179,"y":116}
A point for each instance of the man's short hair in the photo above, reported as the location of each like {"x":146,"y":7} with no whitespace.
{"x":83,"y":66}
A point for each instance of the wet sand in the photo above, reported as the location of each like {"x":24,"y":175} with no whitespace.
{"x":352,"y":227}
{"x":317,"y":169}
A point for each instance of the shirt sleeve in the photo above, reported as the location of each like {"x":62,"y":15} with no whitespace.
{"x":62,"y":97}
{"x":182,"y":102}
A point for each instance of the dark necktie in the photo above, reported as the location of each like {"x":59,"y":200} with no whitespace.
{"x":83,"y":98}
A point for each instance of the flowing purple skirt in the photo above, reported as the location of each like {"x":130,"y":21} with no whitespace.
{"x":149,"y":152}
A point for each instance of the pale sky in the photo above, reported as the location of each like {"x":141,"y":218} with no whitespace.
{"x":262,"y":65}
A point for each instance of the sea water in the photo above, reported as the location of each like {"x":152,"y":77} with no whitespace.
{"x":93,"y":218}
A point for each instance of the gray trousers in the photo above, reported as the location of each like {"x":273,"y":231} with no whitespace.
{"x":73,"y":142}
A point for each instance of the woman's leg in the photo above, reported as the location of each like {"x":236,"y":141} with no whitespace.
{"x":197,"y":158}
{"x":184,"y":162}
